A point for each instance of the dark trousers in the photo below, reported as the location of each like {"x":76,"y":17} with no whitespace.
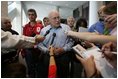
{"x":32,"y":59}
{"x":7,"y":59}
{"x":43,"y":65}
{"x":30,"y":63}
{"x":8,"y":56}
{"x":76,"y":67}
{"x":62,"y":63}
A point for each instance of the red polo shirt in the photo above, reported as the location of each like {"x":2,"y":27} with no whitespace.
{"x":29,"y":30}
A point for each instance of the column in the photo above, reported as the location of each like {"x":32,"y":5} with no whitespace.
{"x":18,"y":26}
{"x":57,"y":8}
{"x":93,"y":9}
{"x":4,"y":8}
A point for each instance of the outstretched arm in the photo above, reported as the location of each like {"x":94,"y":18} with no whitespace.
{"x":52,"y":64}
{"x":18,"y":41}
{"x":92,"y":37}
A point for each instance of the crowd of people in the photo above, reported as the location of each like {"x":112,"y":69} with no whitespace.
{"x":47,"y":48}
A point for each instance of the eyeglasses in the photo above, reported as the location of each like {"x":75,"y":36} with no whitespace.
{"x":55,"y":18}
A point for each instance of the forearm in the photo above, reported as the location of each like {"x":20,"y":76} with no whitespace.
{"x":102,"y":39}
{"x":92,"y":37}
{"x":80,"y":35}
{"x":16,"y":41}
{"x":68,"y":45}
{"x":42,"y":48}
{"x":26,"y":42}
{"x":52,"y":60}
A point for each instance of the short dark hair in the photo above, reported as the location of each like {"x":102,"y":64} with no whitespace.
{"x":32,"y":10}
{"x":45,"y":18}
{"x":79,"y":21}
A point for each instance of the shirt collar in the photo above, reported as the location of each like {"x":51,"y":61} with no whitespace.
{"x":57,"y":27}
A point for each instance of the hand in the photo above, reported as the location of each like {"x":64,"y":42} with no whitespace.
{"x":111,"y":58}
{"x":87,"y":44}
{"x":69,"y":33}
{"x":89,"y":65}
{"x":109,"y":47}
{"x":112,"y":19}
{"x":58,"y":51}
{"x":39,"y":38}
{"x":51,"y":49}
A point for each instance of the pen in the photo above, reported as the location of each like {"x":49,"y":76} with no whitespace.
{"x":96,"y":31}
{"x":103,"y":51}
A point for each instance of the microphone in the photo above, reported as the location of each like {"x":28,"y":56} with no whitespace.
{"x":47,"y":32}
{"x":54,"y":35}
{"x":101,"y":19}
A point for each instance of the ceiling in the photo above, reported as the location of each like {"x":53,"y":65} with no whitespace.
{"x":44,"y":7}
{"x":64,"y":4}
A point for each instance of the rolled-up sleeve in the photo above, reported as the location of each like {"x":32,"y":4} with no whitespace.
{"x":42,"y":47}
{"x":69,"y":41}
{"x":68,"y":45}
{"x":16,"y":41}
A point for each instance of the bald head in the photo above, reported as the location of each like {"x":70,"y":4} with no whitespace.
{"x":6,"y":23}
{"x":54,"y":18}
{"x":52,"y":13}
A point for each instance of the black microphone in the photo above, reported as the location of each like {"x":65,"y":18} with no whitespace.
{"x":101,"y":19}
{"x":54,"y":35}
{"x":47,"y":32}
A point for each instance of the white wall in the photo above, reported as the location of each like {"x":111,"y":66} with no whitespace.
{"x":17,"y":20}
{"x":93,"y":15}
{"x":41,"y":11}
{"x":44,"y":9}
{"x":65,"y":12}
{"x":4,"y":8}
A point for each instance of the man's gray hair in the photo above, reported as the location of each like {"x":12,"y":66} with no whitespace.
{"x":70,"y":17}
{"x":53,"y":11}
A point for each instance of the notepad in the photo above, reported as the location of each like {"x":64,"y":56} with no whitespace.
{"x":101,"y":63}
{"x":85,"y":53}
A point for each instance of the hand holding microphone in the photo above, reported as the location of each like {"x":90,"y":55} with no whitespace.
{"x":58,"y":51}
{"x":51,"y":49}
{"x":55,"y":51}
{"x":39,"y":38}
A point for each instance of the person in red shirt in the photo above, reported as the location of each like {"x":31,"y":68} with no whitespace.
{"x":31,"y":55}
{"x":32,"y":28}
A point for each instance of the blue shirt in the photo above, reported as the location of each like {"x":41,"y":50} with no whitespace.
{"x":99,"y":27}
{"x":61,"y":40}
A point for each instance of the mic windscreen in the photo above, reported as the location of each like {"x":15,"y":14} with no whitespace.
{"x":47,"y":32}
{"x":54,"y":34}
{"x":101,"y":19}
